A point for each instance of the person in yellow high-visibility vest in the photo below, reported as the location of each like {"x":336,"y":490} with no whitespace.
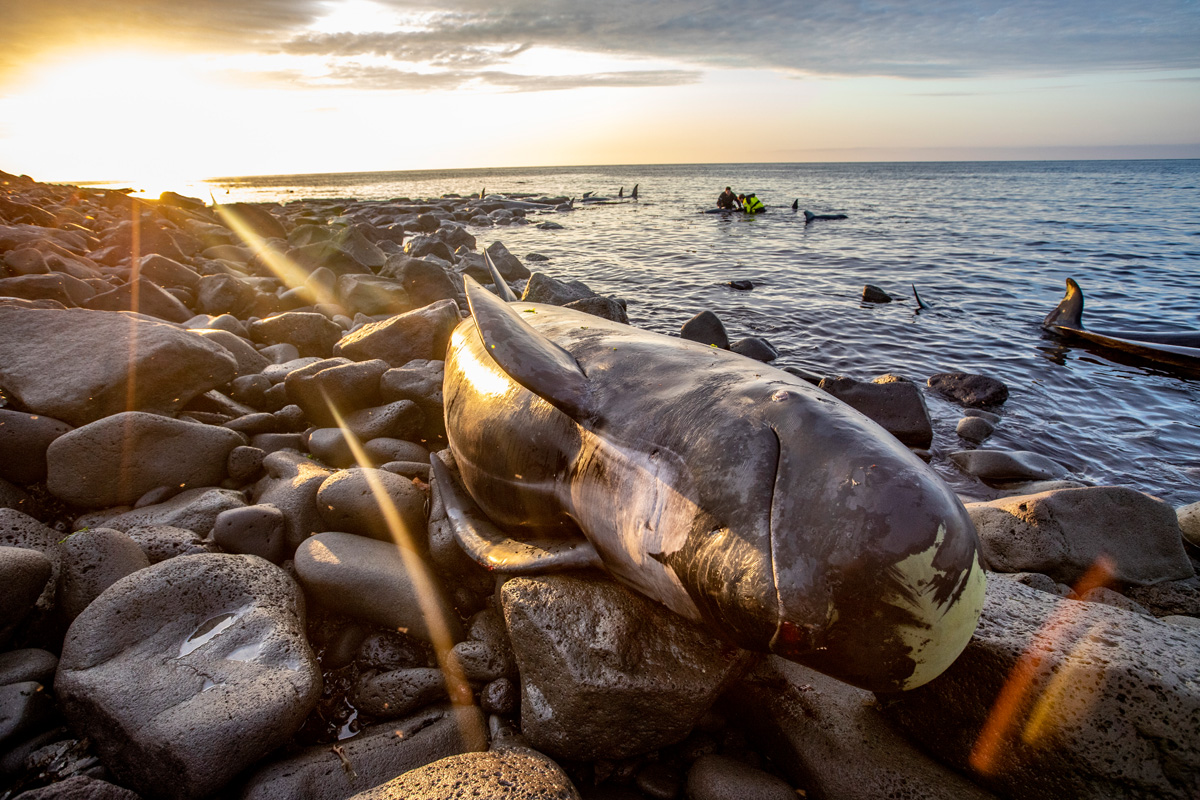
{"x":752,"y":205}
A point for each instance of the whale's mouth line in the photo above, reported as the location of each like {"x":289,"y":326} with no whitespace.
{"x":779,"y":616}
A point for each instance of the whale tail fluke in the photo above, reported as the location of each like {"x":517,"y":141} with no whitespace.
{"x":921,"y":304}
{"x":809,"y":216}
{"x":1069,"y":311}
{"x":796,"y":204}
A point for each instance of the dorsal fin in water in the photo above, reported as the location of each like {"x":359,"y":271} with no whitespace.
{"x":633,"y":194}
{"x":1069,"y":311}
{"x":796,"y":204}
{"x":493,"y":549}
{"x":921,"y":304}
{"x":621,"y":192}
{"x":525,"y":355}
{"x":502,"y":288}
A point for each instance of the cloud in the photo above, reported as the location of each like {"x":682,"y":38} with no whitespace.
{"x":378,"y":77}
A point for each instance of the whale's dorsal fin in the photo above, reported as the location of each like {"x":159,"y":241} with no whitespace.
{"x":502,"y":288}
{"x":528,"y":357}
{"x":491,"y":548}
{"x":1069,"y":311}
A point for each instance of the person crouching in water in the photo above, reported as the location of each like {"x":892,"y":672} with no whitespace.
{"x":752,"y":205}
{"x":727,"y":199}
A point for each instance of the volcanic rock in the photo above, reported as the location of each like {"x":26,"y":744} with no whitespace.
{"x":423,"y":333}
{"x":893,"y":402}
{"x":706,"y":328}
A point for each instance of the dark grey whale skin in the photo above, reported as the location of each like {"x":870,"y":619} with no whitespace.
{"x":1180,"y":348}
{"x":732,"y":492}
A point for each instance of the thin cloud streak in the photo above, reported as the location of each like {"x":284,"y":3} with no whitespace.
{"x":368,"y":77}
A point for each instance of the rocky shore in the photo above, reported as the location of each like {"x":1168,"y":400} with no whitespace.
{"x":227,"y":571}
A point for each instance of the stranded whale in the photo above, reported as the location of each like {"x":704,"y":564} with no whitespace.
{"x":735,"y":494}
{"x":1178,"y":348}
{"x":811,"y":217}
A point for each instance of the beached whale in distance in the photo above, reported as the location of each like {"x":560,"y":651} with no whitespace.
{"x":1180,"y":348}
{"x":733,"y":493}
{"x":811,"y":217}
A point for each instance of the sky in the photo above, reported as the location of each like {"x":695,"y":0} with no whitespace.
{"x":152,"y":90}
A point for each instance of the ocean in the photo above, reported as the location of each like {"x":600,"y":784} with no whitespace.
{"x":987,"y":244}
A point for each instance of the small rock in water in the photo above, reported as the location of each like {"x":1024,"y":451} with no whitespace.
{"x":895,"y":403}
{"x":968,"y":389}
{"x":1008,"y":465}
{"x":974,"y":429}
{"x":741,"y":285}
{"x":755,"y":347}
{"x":873,"y":294}
{"x":706,"y":328}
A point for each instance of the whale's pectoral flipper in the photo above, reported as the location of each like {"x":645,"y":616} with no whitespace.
{"x":1069,"y":311}
{"x":529,"y":358}
{"x":502,"y":287}
{"x":491,"y":548}
{"x":921,"y":304}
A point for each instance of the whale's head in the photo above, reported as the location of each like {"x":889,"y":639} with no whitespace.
{"x":847,"y":553}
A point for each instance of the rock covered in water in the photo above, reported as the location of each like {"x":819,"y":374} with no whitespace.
{"x":186,"y":672}
{"x":1066,"y":532}
{"x":968,"y":389}
{"x":606,"y":673}
{"x":1097,"y":702}
{"x":1008,"y":465}
{"x":79,"y":366}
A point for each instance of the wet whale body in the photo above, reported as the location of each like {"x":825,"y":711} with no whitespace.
{"x":735,"y":494}
{"x":811,"y":217}
{"x":1180,"y":348}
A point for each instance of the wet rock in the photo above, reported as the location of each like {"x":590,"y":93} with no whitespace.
{"x":706,"y":328}
{"x":369,"y":501}
{"x":974,"y":429}
{"x":372,"y":581}
{"x":893,"y":402}
{"x":979,"y":412}
{"x":1064,"y":533}
{"x":75,"y":365}
{"x":873,"y":294}
{"x":755,"y":347}
{"x":509,"y":266}
{"x":257,"y":530}
{"x":331,"y":447}
{"x":423,"y":333}
{"x":313,"y":335}
{"x":116,"y":460}
{"x":604,"y":307}
{"x":968,"y":389}
{"x":93,"y":560}
{"x":30,"y":664}
{"x":715,"y":777}
{"x":741,"y":285}
{"x":606,"y":673}
{"x":186,"y":672}
{"x":343,"y":384}
{"x":541,"y":288}
{"x":1106,"y":704}
{"x":291,"y":485}
{"x":1007,"y":465}
{"x":384,"y":450}
{"x":499,"y":697}
{"x":373,"y":757}
{"x":659,"y":780}
{"x":400,"y":692}
{"x":81,"y":787}
{"x":160,"y":542}
{"x":386,"y":651}
{"x":831,"y":739}
{"x":194,"y":510}
{"x":24,"y":574}
{"x":515,"y":773}
{"x":25,"y":709}
{"x":24,"y":439}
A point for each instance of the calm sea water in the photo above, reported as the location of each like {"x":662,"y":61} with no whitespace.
{"x":987,"y":244}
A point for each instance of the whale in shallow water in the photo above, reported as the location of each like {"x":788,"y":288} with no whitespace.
{"x":1181,"y":348}
{"x":735,"y":494}
{"x":811,"y":217}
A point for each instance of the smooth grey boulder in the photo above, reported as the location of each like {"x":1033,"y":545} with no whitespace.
{"x":1000,"y":466}
{"x":24,"y":574}
{"x":384,"y":450}
{"x":369,"y":502}
{"x":195,"y":510}
{"x":706,"y":328}
{"x":168,"y":273}
{"x":312,"y":334}
{"x":968,"y":389}
{"x":606,"y":673}
{"x":376,"y":581}
{"x":1104,"y":703}
{"x":974,"y":429}
{"x":160,"y":542}
{"x":187,"y":672}
{"x":1189,"y":523}
{"x":420,"y":381}
{"x":714,"y":777}
{"x":373,"y":757}
{"x":93,"y":560}
{"x":514,"y":773}
{"x":24,"y":439}
{"x":116,"y":460}
{"x":291,"y":485}
{"x":830,"y":738}
{"x":422,"y":333}
{"x":335,"y":384}
{"x":372,"y":294}
{"x":1064,"y":533}
{"x":18,"y":529}
{"x":895,"y":403}
{"x":331,"y":446}
{"x":541,"y":288}
{"x":755,"y":347}
{"x":258,"y":530}
{"x":79,"y":366}
{"x":141,"y":297}
{"x":424,"y":281}
{"x":25,"y":709}
{"x":1169,"y":597}
{"x":249,"y":360}
{"x":509,"y":266}
{"x":397,"y":420}
{"x":30,"y":664}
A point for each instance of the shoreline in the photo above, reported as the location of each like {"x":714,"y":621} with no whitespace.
{"x":379,"y":284}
